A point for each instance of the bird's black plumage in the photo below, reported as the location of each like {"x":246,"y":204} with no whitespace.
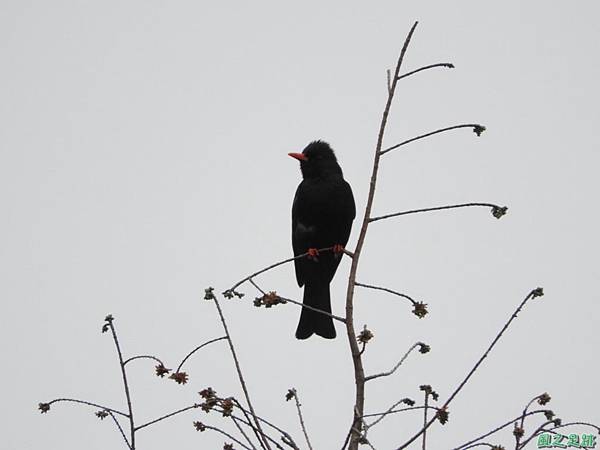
{"x":322,"y":216}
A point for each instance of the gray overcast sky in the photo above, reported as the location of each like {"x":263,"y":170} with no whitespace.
{"x":143,"y":158}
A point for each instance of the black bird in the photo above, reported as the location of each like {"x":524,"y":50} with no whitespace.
{"x":322,"y":216}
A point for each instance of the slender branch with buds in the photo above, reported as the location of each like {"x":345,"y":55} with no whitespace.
{"x":477,"y":129}
{"x":131,"y":443}
{"x":497,"y":211}
{"x":423,"y":348}
{"x":538,"y":292}
{"x":500,"y":427}
{"x":239,"y":372}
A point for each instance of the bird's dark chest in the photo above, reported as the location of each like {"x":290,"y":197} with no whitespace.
{"x":319,"y":202}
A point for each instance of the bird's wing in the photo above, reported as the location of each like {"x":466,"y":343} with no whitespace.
{"x":302,"y":233}
{"x":295,"y":240}
{"x":349,"y":208}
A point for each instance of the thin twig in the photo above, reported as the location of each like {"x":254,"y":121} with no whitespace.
{"x":363,"y":348}
{"x":285,"y":261}
{"x":366,"y":441}
{"x":83,"y":402}
{"x":125,"y":384}
{"x":425,"y":418}
{"x":241,"y":430}
{"x":120,"y":428}
{"x":534,"y":293}
{"x":295,"y":302}
{"x":275,"y":427}
{"x":365,"y":430}
{"x":253,"y":283}
{"x":239,"y":371}
{"x":196,"y":349}
{"x":273,"y":441}
{"x":166,"y":416}
{"x":144,"y":357}
{"x":347,"y":439}
{"x":302,"y":420}
{"x":378,"y":288}
{"x":431,"y":66}
{"x":477,"y":128}
{"x":390,"y":372}
{"x":522,"y":424}
{"x":248,"y":421}
{"x":501,"y":427}
{"x":359,"y":375}
{"x":391,"y":410}
{"x":435,"y":208}
{"x":596,"y":427}
{"x":224,"y":433}
{"x":526,"y":441}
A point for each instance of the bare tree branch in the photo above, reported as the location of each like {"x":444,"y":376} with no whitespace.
{"x":248,"y":421}
{"x":347,"y":440}
{"x":333,"y":316}
{"x":133,"y":358}
{"x":359,"y":375}
{"x":596,"y":427}
{"x":301,"y":304}
{"x":378,"y":288}
{"x":224,"y":433}
{"x":538,"y":292}
{"x":495,"y":430}
{"x":425,"y":418}
{"x":84,"y":402}
{"x":390,"y":372}
{"x":477,"y":129}
{"x":541,"y":427}
{"x":279,"y":263}
{"x":112,"y":416}
{"x":299,"y":410}
{"x":239,"y":372}
{"x":109,"y":321}
{"x":391,"y":410}
{"x":481,"y":444}
{"x":523,"y":415}
{"x":196,"y":349}
{"x":241,"y":430}
{"x":284,"y":433}
{"x":431,"y":66}
{"x":166,"y":416}
{"x":496,"y":210}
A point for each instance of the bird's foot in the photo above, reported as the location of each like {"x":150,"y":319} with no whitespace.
{"x":312,"y":254}
{"x":337,"y":250}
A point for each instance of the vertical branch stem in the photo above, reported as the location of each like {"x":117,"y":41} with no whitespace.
{"x":302,"y":420}
{"x":359,"y":374}
{"x":112,"y":416}
{"x":425,"y":418}
{"x":125,"y":384}
{"x":263,"y":440}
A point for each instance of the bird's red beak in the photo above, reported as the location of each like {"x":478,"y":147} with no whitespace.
{"x":299,"y":156}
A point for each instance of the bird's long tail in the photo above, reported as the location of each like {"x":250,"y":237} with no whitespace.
{"x":312,"y":321}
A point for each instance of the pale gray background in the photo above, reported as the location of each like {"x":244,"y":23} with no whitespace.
{"x":144,"y":158}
